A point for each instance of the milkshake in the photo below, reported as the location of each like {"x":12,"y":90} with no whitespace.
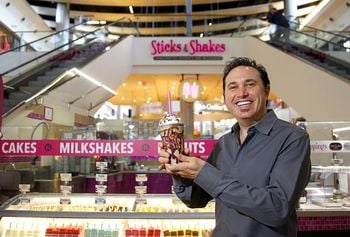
{"x":171,"y":130}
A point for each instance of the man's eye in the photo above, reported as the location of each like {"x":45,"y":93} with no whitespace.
{"x":232,"y":87}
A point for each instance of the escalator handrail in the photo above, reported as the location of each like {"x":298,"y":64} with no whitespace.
{"x":317,"y":38}
{"x":320,"y":39}
{"x":319,"y":30}
{"x":42,"y":38}
{"x":61,"y":46}
{"x":329,"y":58}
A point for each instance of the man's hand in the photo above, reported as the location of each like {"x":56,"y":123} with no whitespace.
{"x":188,"y":166}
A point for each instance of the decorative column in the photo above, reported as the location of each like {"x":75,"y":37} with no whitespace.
{"x":187,"y":116}
{"x":62,"y":22}
{"x":290,"y":11}
{"x":189,"y":17}
{"x":190,"y":91}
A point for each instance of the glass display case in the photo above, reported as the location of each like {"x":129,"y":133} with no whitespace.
{"x":107,"y":215}
{"x":330,"y":156}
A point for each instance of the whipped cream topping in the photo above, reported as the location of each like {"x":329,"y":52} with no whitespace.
{"x":168,"y":119}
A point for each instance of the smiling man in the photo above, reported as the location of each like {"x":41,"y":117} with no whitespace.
{"x":257,"y":172}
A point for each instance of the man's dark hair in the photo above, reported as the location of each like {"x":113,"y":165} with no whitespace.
{"x":244,"y":61}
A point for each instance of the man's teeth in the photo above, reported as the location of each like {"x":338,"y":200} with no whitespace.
{"x":243,"y":103}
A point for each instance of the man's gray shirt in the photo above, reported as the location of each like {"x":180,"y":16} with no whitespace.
{"x":256,"y":185}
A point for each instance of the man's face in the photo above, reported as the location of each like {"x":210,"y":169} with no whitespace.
{"x":245,"y":95}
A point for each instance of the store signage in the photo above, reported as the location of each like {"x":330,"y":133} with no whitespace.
{"x":194,"y":49}
{"x":330,"y":146}
{"x":37,"y":116}
{"x":10,"y":148}
{"x":209,"y":107}
{"x":152,"y":108}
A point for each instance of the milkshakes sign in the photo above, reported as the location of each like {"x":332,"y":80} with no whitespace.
{"x":192,"y":49}
{"x":95,"y":147}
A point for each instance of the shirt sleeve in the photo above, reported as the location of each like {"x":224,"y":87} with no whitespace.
{"x":272,"y":204}
{"x":190,"y":193}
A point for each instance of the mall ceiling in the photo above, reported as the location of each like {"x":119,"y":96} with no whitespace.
{"x":168,"y":17}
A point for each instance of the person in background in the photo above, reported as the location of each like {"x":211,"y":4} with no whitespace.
{"x":281,"y":23}
{"x":256,"y":172}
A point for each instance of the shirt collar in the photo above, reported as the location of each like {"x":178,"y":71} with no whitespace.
{"x":264,"y":126}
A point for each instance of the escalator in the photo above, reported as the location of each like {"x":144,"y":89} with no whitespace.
{"x":28,"y":81}
{"x":325,"y":50}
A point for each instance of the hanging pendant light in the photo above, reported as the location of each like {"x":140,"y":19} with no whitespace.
{"x":190,"y":88}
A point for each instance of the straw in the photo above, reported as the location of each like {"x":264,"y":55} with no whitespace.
{"x":170,"y":109}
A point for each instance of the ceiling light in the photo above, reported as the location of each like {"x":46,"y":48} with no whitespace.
{"x":190,"y":88}
{"x":113,"y":37}
{"x":341,"y":129}
{"x":93,"y":22}
{"x":131,"y":10}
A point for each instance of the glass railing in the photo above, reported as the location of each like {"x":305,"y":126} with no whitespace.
{"x":54,"y":53}
{"x":330,"y":40}
{"x":318,"y":42}
{"x":332,"y":55}
{"x":42,"y":49}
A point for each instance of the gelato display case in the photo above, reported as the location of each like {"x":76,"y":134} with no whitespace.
{"x":330,"y":156}
{"x":36,"y":214}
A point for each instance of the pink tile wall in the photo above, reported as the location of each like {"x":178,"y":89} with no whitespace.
{"x":320,"y":223}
